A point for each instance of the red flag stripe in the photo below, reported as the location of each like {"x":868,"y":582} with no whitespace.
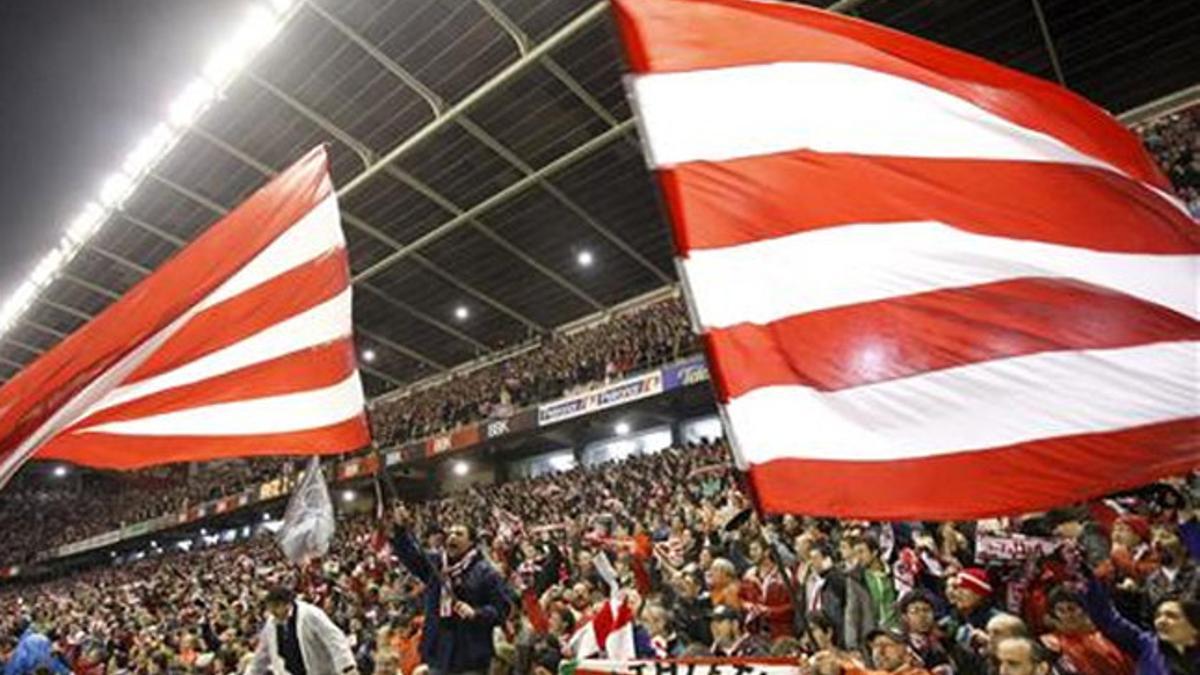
{"x":686,"y":35}
{"x":244,"y":315}
{"x":899,"y":337}
{"x":745,"y":200}
{"x":980,"y":484}
{"x":39,"y":390}
{"x":119,"y":451}
{"x":314,"y":368}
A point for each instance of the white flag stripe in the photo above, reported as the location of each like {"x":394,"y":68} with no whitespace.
{"x":984,"y":405}
{"x":282,"y":414}
{"x":773,"y":279}
{"x":317,"y":233}
{"x":743,"y":111}
{"x":316,"y":326}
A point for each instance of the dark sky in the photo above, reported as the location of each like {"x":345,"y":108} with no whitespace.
{"x":80,"y":82}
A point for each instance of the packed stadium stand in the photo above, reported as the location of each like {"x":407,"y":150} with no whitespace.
{"x":476,"y":371}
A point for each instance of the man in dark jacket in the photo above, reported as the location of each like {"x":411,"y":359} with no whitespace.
{"x":464,"y":598}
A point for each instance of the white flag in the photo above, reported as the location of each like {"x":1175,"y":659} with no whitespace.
{"x":308,"y":525}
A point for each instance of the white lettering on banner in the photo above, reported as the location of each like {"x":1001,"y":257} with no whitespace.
{"x":392,"y":458}
{"x":496,"y":428}
{"x":649,"y":384}
{"x":998,"y":548}
{"x":708,"y":666}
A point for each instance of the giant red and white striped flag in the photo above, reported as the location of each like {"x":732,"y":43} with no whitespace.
{"x":239,"y":345}
{"x":930,"y":286}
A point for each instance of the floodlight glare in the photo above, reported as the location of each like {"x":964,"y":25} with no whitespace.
{"x":190,"y":103}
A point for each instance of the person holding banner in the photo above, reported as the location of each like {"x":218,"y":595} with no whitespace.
{"x":464,"y":598}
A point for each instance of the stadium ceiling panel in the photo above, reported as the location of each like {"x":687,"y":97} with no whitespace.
{"x":499,"y":176}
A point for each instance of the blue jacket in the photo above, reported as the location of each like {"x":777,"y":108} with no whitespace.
{"x":32,"y":652}
{"x":454,"y":645}
{"x":1151,"y":656}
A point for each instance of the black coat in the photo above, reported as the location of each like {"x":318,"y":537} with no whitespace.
{"x":452,"y":644}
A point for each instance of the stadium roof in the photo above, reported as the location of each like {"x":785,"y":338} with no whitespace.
{"x":480,"y":146}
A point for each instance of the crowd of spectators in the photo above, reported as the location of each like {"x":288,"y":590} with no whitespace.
{"x":636,"y":340}
{"x":64,"y":511}
{"x":1104,"y":588}
{"x":1174,"y":140}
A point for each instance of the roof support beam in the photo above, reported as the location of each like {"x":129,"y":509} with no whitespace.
{"x":23,"y":345}
{"x":439,"y":110}
{"x":562,"y":162}
{"x":66,"y":309}
{"x":93,"y":287}
{"x":405,"y":307}
{"x":376,"y":337}
{"x":562,"y":35}
{"x":44,"y":328}
{"x":15,"y":364}
{"x":372,"y":231}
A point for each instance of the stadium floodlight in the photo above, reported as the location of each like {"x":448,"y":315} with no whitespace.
{"x":60,"y":471}
{"x":115,"y":189}
{"x":368,"y":355}
{"x":266,"y":517}
{"x":461,"y":468}
{"x":47,"y":268}
{"x":204,"y":532}
{"x":347,"y":496}
{"x":462,"y":313}
{"x":585,"y":258}
{"x":192,"y":101}
{"x":86,"y":223}
{"x":148,"y":150}
{"x":622,"y":428}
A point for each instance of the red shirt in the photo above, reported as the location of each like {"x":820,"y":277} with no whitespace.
{"x":1089,"y":653}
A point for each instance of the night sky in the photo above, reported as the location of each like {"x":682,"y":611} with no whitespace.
{"x":80,"y":82}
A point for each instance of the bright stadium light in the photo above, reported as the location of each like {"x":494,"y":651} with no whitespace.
{"x":148,"y":150}
{"x":585,"y":258}
{"x":266,"y":517}
{"x":622,"y":428}
{"x":368,"y":355}
{"x":186,"y":107}
{"x":461,"y":468}
{"x":60,"y":471}
{"x":347,"y":496}
{"x":262,"y":22}
{"x":86,"y":223}
{"x":115,"y":189}
{"x":461,"y":312}
{"x":47,"y":268}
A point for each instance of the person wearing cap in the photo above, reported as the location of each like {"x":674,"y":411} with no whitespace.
{"x":300,"y":639}
{"x":970,"y":594}
{"x":890,"y":654}
{"x":728,"y":637}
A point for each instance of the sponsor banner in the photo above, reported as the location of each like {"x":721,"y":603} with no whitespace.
{"x":246,"y":497}
{"x":138,"y":529}
{"x":461,"y":438}
{"x":685,"y":374}
{"x":90,"y":543}
{"x":1011,"y":547}
{"x":393,"y":458}
{"x":633,"y":389}
{"x":751,"y":665}
{"x":412,"y":452}
{"x":361,"y":466}
{"x":496,"y":428}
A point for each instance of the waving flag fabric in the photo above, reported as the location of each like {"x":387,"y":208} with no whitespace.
{"x":239,"y":345}
{"x":929,"y":286}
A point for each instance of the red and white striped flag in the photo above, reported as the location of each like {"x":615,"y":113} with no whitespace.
{"x":929,"y":286}
{"x":239,"y":345}
{"x":608,"y":632}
